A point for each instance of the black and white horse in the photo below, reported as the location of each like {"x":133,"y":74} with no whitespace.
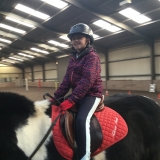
{"x":23,"y":124}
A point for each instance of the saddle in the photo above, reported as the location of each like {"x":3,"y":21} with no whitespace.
{"x":68,"y":126}
{"x":107,"y":127}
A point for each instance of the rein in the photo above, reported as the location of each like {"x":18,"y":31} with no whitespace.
{"x":45,"y":137}
{"x":49,"y":130}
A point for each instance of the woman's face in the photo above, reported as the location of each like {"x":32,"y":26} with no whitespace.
{"x":79,"y":42}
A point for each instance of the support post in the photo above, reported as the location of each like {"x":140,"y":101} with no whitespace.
{"x":32,"y":73}
{"x":152,"y":61}
{"x":43,"y":73}
{"x":107,"y":66}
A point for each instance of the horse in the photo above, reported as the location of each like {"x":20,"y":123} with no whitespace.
{"x":23,"y":123}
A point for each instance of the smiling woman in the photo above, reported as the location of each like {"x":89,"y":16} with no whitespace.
{"x":83,"y":77}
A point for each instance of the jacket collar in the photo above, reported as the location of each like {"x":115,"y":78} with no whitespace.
{"x":83,"y":53}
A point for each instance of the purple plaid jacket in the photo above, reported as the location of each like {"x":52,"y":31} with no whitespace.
{"x":83,"y":76}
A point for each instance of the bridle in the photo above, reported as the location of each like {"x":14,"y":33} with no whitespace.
{"x":48,"y":131}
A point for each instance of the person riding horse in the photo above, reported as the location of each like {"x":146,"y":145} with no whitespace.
{"x":83,"y":77}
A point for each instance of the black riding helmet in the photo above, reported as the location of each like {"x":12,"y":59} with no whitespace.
{"x":81,"y":28}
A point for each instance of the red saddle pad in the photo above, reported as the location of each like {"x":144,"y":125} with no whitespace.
{"x":113,"y":126}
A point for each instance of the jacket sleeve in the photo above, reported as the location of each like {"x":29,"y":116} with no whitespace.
{"x":64,"y":86}
{"x":89,"y":75}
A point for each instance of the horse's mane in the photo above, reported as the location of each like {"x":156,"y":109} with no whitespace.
{"x":15,"y":108}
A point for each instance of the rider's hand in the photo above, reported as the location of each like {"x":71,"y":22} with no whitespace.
{"x":66,"y":105}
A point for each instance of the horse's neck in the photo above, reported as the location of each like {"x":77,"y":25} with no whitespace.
{"x":31,"y":134}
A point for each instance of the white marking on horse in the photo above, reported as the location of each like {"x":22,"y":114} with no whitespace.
{"x":100,"y":156}
{"x":31,"y":134}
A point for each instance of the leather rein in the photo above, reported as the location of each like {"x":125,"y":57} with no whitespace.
{"x":48,"y":131}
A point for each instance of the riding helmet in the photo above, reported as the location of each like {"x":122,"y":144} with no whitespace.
{"x":81,"y":28}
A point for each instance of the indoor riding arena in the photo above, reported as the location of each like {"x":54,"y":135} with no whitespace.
{"x":35,"y":50}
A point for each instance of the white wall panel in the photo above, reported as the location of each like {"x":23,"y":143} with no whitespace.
{"x":10,"y":70}
{"x":37,"y":72}
{"x":28,"y":69}
{"x":103,"y":69}
{"x":157,"y":48}
{"x":37,"y":68}
{"x":102,"y":57}
{"x":157,"y":65}
{"x":62,"y":67}
{"x":7,"y":75}
{"x":51,"y":65}
{"x":132,"y":52}
{"x":37,"y":75}
{"x":28,"y":75}
{"x":138,"y":66}
{"x":51,"y":74}
{"x":158,"y":78}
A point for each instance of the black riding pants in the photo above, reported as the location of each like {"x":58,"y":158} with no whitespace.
{"x":87,"y":107}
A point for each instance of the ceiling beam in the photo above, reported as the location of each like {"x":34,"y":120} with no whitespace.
{"x":29,"y":21}
{"x":33,"y":23}
{"x":43,"y":45}
{"x":26,"y":51}
{"x":95,"y":12}
{"x":23,"y":51}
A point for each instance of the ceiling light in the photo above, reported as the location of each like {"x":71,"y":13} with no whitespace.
{"x":31,"y":11}
{"x":107,"y":26}
{"x":20,"y":22}
{"x":134,"y":15}
{"x":12,"y":28}
{"x":62,"y":56}
{"x":0,"y":48}
{"x":141,"y":19}
{"x":113,"y":28}
{"x":58,"y":44}
{"x":129,"y":12}
{"x":17,"y":59}
{"x":26,"y":55}
{"x":8,"y":60}
{"x":3,"y":65}
{"x":56,"y":3}
{"x":101,"y":23}
{"x":39,"y":50}
{"x":5,"y":40}
{"x":64,"y":37}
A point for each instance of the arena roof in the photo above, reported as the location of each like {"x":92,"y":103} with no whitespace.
{"x":34,"y":31}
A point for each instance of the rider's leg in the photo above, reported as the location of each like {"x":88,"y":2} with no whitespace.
{"x":87,"y":107}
